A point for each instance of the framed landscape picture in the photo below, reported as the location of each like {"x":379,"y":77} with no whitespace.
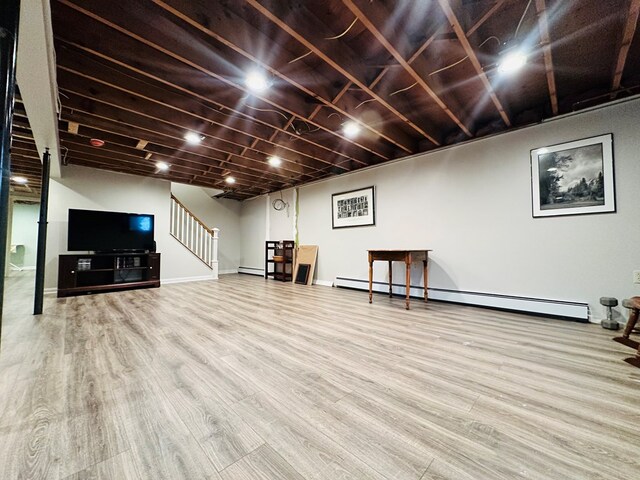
{"x":353,"y":209}
{"x":573,"y":178}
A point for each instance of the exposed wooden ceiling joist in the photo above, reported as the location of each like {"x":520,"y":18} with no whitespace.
{"x":404,"y":63}
{"x":543,"y":24}
{"x":347,"y":73}
{"x":231,"y":37}
{"x":171,"y":67}
{"x":234,"y":83}
{"x":629,"y":31}
{"x":464,"y":41}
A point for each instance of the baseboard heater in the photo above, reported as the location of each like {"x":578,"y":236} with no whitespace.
{"x":251,"y":271}
{"x":555,"y":308}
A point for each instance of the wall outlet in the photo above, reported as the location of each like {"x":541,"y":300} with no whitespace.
{"x":636,"y":276}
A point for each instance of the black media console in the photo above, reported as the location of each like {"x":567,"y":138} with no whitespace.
{"x":100,"y":272}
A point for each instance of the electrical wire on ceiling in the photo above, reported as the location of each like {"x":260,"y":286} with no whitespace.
{"x":492,"y":37}
{"x":403,"y":89}
{"x":64,"y":157}
{"x":300,"y":57}
{"x":526,"y":9}
{"x":266,"y":110}
{"x":343,"y":33}
{"x":451,"y":65}
{"x":59,"y":102}
{"x":366,"y":101}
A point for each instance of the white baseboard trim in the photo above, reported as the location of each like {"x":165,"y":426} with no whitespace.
{"x":324,"y":283}
{"x":169,"y":281}
{"x":228,"y":272}
{"x":251,"y":271}
{"x":51,"y":291}
{"x":557,"y":308}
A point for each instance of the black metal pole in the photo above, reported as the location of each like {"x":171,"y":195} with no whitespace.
{"x":42,"y":235}
{"x":9,"y":19}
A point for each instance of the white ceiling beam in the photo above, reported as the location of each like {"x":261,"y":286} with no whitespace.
{"x":36,"y":77}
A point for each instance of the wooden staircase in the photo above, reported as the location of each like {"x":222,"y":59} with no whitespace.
{"x":191,"y":232}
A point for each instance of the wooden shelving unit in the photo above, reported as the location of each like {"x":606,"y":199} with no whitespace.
{"x":280,"y":267}
{"x":82,"y":274}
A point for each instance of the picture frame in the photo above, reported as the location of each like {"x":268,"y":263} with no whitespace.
{"x":302,"y":275}
{"x":355,"y":208}
{"x":573,"y":178}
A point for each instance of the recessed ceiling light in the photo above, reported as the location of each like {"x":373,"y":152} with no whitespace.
{"x":230,"y":180}
{"x":162,"y":166}
{"x":193,"y":138}
{"x":351,"y":129}
{"x":256,"y":81}
{"x":512,"y":61}
{"x":20,"y":180}
{"x":275,"y":161}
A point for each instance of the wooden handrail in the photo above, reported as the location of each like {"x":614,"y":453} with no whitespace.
{"x":202,"y":224}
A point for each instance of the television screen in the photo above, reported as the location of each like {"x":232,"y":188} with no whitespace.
{"x":98,"y":231}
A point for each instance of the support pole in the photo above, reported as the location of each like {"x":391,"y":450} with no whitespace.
{"x":42,"y":235}
{"x":9,"y":20}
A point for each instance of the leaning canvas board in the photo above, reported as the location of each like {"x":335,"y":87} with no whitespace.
{"x":306,"y":254}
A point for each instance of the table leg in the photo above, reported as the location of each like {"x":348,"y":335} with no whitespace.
{"x":390,"y":278}
{"x":408,"y":283}
{"x":426,"y":280}
{"x":370,"y":280}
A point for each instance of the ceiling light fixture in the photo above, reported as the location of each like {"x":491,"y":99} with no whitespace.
{"x":193,"y":138}
{"x":20,"y":180}
{"x":230,"y":180}
{"x":256,"y":81}
{"x":512,"y":61}
{"x":96,"y":142}
{"x":351,"y":129}
{"x":163,"y":166}
{"x":275,"y":161}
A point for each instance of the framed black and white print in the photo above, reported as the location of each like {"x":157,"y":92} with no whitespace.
{"x":353,"y":209}
{"x":573,"y":178}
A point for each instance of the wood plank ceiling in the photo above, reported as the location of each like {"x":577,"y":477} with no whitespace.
{"x":415,"y":75}
{"x":25,"y":161}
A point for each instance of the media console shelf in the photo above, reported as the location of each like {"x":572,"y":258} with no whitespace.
{"x":91,"y":273}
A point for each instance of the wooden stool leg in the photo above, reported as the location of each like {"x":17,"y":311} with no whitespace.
{"x":390,"y":278}
{"x":370,"y":279}
{"x":426,"y":280}
{"x":408,"y":283}
{"x":631,"y":323}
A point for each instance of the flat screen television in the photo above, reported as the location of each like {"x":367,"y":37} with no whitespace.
{"x":98,"y":231}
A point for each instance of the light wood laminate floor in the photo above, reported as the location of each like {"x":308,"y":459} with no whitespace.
{"x":245,"y":379}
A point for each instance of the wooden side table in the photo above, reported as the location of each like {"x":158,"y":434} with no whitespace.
{"x":406,"y":256}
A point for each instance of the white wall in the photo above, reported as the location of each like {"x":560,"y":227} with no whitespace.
{"x":91,"y":189}
{"x":215,"y":213}
{"x":253,"y":230}
{"x":280,"y":222}
{"x":471,"y":204}
{"x":24,"y":230}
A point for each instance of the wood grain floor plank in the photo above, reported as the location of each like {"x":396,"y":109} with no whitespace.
{"x":221,"y":433}
{"x":261,"y":379}
{"x":118,"y":467}
{"x":263,"y":463}
{"x":310,"y":452}
{"x":161,"y":444}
